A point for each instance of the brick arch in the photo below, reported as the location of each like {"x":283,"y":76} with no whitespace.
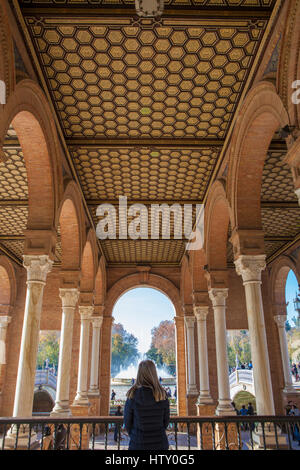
{"x":132,"y":281}
{"x":89,"y":263}
{"x":100,"y":283}
{"x":8,"y":285}
{"x":28,"y":111}
{"x":186,"y":282}
{"x":260,"y":116}
{"x":289,"y":61}
{"x":216,"y":222}
{"x":279,"y":273}
{"x":7,"y":66}
{"x":71,"y":221}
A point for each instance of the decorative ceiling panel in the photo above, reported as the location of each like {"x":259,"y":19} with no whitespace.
{"x":110,"y":78}
{"x":13,"y":220}
{"x":143,"y":251}
{"x":16,"y":247}
{"x":281,"y":222}
{"x":272,"y":247}
{"x":13,"y":175}
{"x":145,"y":174}
{"x":277,"y":183}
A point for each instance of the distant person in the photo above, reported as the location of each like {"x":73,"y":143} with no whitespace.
{"x":243,"y":366}
{"x":175,"y":392}
{"x":169,"y":393}
{"x":132,"y":381}
{"x":234,"y":407}
{"x":243,"y":411}
{"x":147,"y":411}
{"x":118,"y":413}
{"x":250,"y":409}
{"x":160,"y":380}
{"x":288,"y":407}
{"x":250,"y":366}
{"x":113,"y":395}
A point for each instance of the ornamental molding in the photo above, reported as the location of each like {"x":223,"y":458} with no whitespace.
{"x":201,"y":312}
{"x":37,"y":266}
{"x":218,"y":297}
{"x":86,"y":311}
{"x":250,"y":267}
{"x":97,"y":322}
{"x":280,"y":320}
{"x":69,"y":297}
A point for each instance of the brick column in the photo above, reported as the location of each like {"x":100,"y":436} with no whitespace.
{"x":105,"y":365}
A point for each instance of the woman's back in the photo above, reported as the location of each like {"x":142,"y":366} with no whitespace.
{"x":146,"y":420}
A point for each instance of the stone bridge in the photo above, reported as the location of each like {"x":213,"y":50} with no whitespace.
{"x":241,"y":380}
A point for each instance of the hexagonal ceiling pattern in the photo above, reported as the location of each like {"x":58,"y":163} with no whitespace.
{"x":119,"y":80}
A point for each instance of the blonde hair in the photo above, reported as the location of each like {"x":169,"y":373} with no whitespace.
{"x":147,"y":377}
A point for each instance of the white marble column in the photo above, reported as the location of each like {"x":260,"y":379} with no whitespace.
{"x":190,"y":328}
{"x":4,"y":322}
{"x":218,"y":298}
{"x":37,"y":270}
{"x":37,"y":267}
{"x":94,"y":377}
{"x":201,"y":313}
{"x":250,"y":268}
{"x":69,"y":299}
{"x":288,"y":382}
{"x":85,"y":317}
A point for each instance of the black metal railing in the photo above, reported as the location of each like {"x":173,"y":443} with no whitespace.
{"x":189,"y":433}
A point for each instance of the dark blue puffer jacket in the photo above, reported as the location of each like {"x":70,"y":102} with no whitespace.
{"x":146,"y":421}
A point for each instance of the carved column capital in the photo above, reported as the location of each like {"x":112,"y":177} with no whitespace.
{"x":250,"y":267}
{"x":189,"y":321}
{"x":37,"y":266}
{"x":218,"y":297}
{"x":280,"y":320}
{"x":69,"y":297}
{"x":97,"y":322}
{"x":85,"y":311}
{"x":201,"y":312}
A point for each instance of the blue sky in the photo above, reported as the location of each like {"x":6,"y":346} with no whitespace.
{"x":139,"y":310}
{"x":291,"y":289}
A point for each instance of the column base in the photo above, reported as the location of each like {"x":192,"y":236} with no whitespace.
{"x":94,"y":392}
{"x":80,"y":442}
{"x":23,"y":439}
{"x":269,"y":442}
{"x":225,"y":408}
{"x":81,"y":400}
{"x":204,"y":432}
{"x":227,"y":438}
{"x":61,"y":410}
{"x":204,"y":398}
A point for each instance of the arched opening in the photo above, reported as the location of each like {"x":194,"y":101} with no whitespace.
{"x":143,"y":328}
{"x":244,"y":398}
{"x":292,"y":326}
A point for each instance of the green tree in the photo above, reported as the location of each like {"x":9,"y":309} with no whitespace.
{"x":124,"y":349}
{"x":162,"y":349}
{"x":48,"y":348}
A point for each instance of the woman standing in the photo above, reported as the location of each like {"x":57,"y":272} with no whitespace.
{"x":147,"y":411}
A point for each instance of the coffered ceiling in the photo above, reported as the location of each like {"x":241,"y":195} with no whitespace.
{"x":145,"y":108}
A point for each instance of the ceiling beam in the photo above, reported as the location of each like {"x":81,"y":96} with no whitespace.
{"x":144,"y":142}
{"x":280,"y":205}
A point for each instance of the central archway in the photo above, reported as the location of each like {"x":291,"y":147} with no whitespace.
{"x":166,"y":287}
